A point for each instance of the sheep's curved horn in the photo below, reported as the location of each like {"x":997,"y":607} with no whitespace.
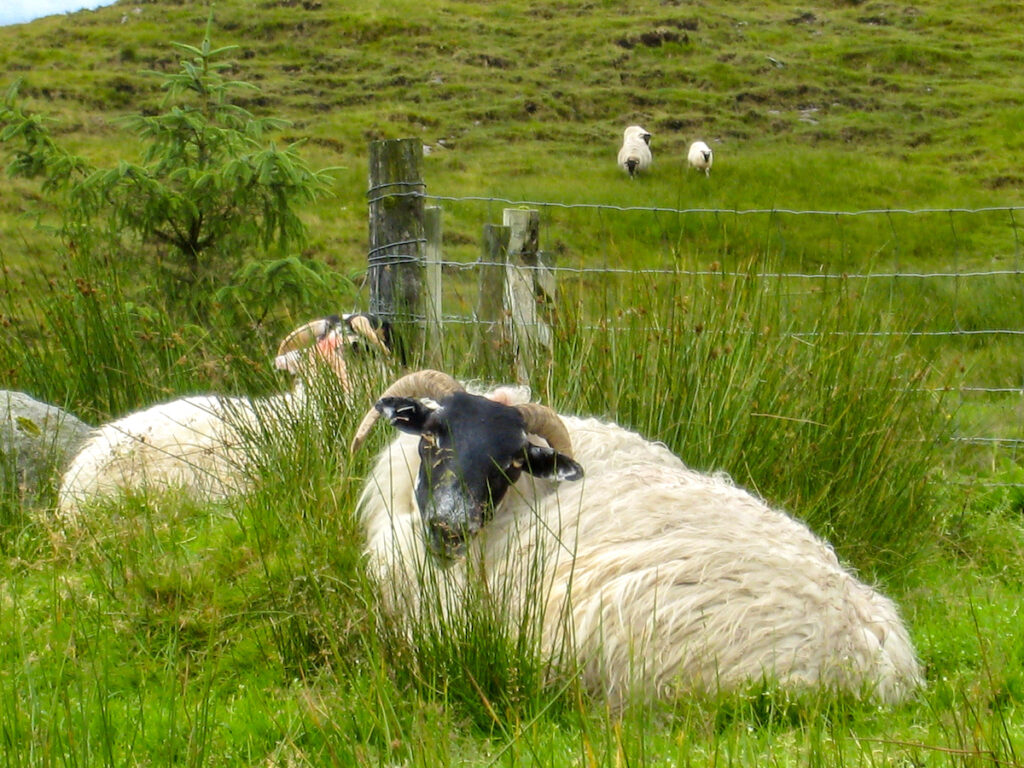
{"x":305,"y":335}
{"x":544,"y":422}
{"x":361,"y":324}
{"x":425,"y":383}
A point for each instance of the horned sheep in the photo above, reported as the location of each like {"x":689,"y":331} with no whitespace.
{"x":198,"y":443}
{"x":663,"y":579}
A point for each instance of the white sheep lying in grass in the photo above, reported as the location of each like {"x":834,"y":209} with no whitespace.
{"x":666,"y":580}
{"x":635,"y":153}
{"x":199,"y":444}
{"x":701,"y":157}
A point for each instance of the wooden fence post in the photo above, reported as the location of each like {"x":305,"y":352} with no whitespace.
{"x":490,"y":343}
{"x":529,"y":285}
{"x":432,"y":295}
{"x":396,"y":236}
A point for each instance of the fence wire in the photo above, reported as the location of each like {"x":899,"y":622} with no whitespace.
{"x":971,"y":241}
{"x":541,"y":204}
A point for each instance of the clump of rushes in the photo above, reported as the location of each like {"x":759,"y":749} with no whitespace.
{"x":813,"y":402}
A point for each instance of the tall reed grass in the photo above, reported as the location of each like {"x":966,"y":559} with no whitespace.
{"x":815,"y":401}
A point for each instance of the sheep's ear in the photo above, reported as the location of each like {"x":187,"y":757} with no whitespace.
{"x":542,"y":461}
{"x":404,"y":413}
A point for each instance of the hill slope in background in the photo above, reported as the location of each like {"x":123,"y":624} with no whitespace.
{"x":850,"y":105}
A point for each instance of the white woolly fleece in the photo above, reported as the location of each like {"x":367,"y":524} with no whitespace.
{"x":659,"y":578}
{"x":190,"y":443}
{"x":636,"y":149}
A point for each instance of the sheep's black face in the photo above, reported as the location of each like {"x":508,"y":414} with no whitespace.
{"x":471,"y":450}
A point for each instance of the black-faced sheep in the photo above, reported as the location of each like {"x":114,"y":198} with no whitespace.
{"x":662,"y":579}
{"x":635,"y":153}
{"x":701,"y":157}
{"x":334,"y":337}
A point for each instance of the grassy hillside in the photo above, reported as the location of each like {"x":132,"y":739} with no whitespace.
{"x":849,"y":106}
{"x":852,"y":105}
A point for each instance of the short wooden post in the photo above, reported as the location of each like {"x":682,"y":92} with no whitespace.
{"x":396,"y":235}
{"x":432,"y":295}
{"x":528,"y":282}
{"x":490,"y":343}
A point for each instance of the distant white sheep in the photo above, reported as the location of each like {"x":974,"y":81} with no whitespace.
{"x":701,"y":157}
{"x":199,"y":444}
{"x":663,"y":580}
{"x":635,"y":153}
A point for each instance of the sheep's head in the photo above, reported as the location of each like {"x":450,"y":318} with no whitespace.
{"x":328,"y":339}
{"x":472,"y":449}
{"x":364,"y":330}
{"x":313,"y":342}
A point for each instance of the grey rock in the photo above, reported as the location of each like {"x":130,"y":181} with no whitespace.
{"x":37,"y":440}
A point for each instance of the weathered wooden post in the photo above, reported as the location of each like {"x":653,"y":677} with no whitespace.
{"x":490,"y":343}
{"x":432,"y":295}
{"x":529,"y":286}
{"x":397,"y":236}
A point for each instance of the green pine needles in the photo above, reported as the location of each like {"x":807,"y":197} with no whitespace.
{"x":209,"y":192}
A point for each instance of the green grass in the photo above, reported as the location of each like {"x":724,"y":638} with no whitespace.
{"x":182,"y":633}
{"x":175,"y":635}
{"x":247,"y":632}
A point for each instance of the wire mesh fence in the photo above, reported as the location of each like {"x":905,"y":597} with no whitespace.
{"x":949,"y":280}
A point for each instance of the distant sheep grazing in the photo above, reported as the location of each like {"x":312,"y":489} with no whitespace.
{"x":701,"y":157}
{"x":635,"y":154}
{"x":661,"y":579}
{"x":198,"y":444}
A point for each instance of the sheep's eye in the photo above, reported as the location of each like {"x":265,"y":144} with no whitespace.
{"x":511,"y":466}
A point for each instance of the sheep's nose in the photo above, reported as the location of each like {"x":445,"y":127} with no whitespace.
{"x":446,"y":541}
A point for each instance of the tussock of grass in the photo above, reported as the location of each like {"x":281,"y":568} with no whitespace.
{"x":794,"y":398}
